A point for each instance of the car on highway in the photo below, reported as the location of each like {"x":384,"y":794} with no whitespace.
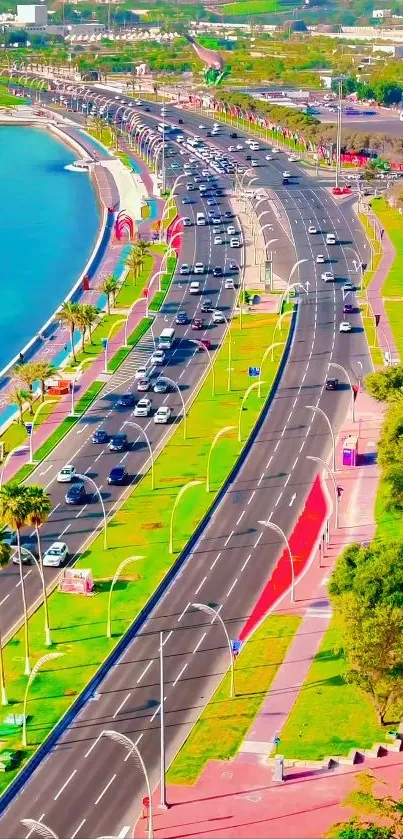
{"x":158,"y":357}
{"x":142,"y":372}
{"x":184,"y":269}
{"x":117,"y":476}
{"x":161,"y":386}
{"x":66,"y":475}
{"x":275,"y":151}
{"x":229,"y":283}
{"x":228,"y":214}
{"x":100,"y":436}
{"x":269,"y":157}
{"x":197,"y":324}
{"x":216,"y":219}
{"x":320,"y":259}
{"x":286,"y":174}
{"x":204,"y":344}
{"x":207,"y":305}
{"x":345,"y":326}
{"x":143,"y":408}
{"x":217,"y":271}
{"x":181,"y":318}
{"x":194,"y":287}
{"x":126,"y":400}
{"x":198,"y":268}
{"x":143,"y":385}
{"x":293,"y":159}
{"x":186,"y":221}
{"x":286,"y":181}
{"x":218,"y":316}
{"x":312,"y":229}
{"x":162,"y":415}
{"x":216,"y":231}
{"x":348,"y":286}
{"x":327,"y":276}
{"x":218,"y":240}
{"x":186,"y":200}
{"x":118,"y":443}
{"x":76,"y":494}
{"x":348,"y":309}
{"x":331,"y":384}
{"x":254,"y":163}
{"x":231,"y":230}
{"x":235,"y":242}
{"x":56,"y":555}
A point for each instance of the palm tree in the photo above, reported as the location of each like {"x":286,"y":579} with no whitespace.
{"x":109,"y":286}
{"x":5,"y":556}
{"x":43,"y":370}
{"x":142,"y":247}
{"x":134,"y":263}
{"x":68,"y":314}
{"x":40,"y":505}
{"x":90,"y":315}
{"x":14,"y":511}
{"x":81,"y":325}
{"x":18,"y":396}
{"x":26,"y":375}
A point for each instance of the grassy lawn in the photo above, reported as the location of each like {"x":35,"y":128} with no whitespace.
{"x":250,"y":7}
{"x":79,"y":624}
{"x":106,"y":324}
{"x":16,"y":434}
{"x":166,"y":280}
{"x":132,"y":288}
{"x":224,"y":722}
{"x":330,"y":716}
{"x":392,"y":221}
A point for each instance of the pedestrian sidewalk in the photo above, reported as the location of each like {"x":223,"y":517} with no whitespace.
{"x":385,"y":335}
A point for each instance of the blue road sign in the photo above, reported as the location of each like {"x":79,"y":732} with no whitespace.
{"x":276,"y":741}
{"x":236,"y":647}
{"x":104,"y":343}
{"x":254,"y":372}
{"x":29,"y":426}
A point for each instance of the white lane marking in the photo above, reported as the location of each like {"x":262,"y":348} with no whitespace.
{"x":81,"y":510}
{"x":252,"y":496}
{"x":123,"y":833}
{"x":286,"y":480}
{"x":181,"y":672}
{"x":32,"y":828}
{"x":45,"y":471}
{"x":147,"y":667}
{"x":167,"y":637}
{"x":4,"y":599}
{"x":289,"y":416}
{"x":184,"y":612}
{"x":201,"y":584}
{"x":157,"y":710}
{"x":66,"y":528}
{"x":105,"y":789}
{"x":246,"y":562}
{"x":277,"y":445}
{"x":25,"y":577}
{"x":93,"y":746}
{"x":233,"y":586}
{"x":241,"y":517}
{"x":258,"y":539}
{"x":294,"y":464}
{"x":200,"y":641}
{"x":216,"y":560}
{"x":228,"y":538}
{"x":269,"y":461}
{"x":83,"y":427}
{"x":55,"y":508}
{"x":98,"y":458}
{"x":78,"y":828}
{"x":302,"y":445}
{"x":279,"y":498}
{"x":65,"y":784}
{"x":293,"y":497}
{"x":118,"y":710}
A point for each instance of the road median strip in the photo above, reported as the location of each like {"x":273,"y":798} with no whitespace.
{"x":78,"y":624}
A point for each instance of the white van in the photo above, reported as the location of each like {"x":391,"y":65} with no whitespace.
{"x":330,"y":239}
{"x":200,"y":219}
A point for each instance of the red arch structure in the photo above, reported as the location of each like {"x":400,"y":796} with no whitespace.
{"x":124,"y":226}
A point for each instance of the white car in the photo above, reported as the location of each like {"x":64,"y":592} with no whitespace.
{"x":286,"y":174}
{"x":248,"y":141}
{"x":235,"y":243}
{"x":328,"y":276}
{"x":218,"y":240}
{"x":293,"y":159}
{"x":320,"y":259}
{"x":312,"y":229}
{"x":216,"y":231}
{"x":158,"y":357}
{"x":199,"y":268}
{"x":143,"y":408}
{"x":66,"y":475}
{"x":184,"y":270}
{"x":162,"y":415}
{"x":269,"y":157}
{"x":232,"y":148}
{"x":254,"y":164}
{"x":345,"y":326}
{"x":202,"y":127}
{"x":275,"y":151}
{"x":218,"y":317}
{"x":239,"y":146}
{"x":186,"y":221}
{"x":231,"y":230}
{"x":56,"y":555}
{"x":194,"y":287}
{"x":229,"y":283}
{"x":138,"y":102}
{"x":348,"y":287}
{"x":142,"y":372}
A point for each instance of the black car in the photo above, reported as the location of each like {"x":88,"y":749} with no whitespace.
{"x":207,"y":305}
{"x":180,"y":121}
{"x":181,"y":318}
{"x":286,"y":181}
{"x":118,"y":443}
{"x":146,"y":109}
{"x":248,"y":157}
{"x":228,"y":214}
{"x":117,"y":476}
{"x":218,"y":272}
{"x":126,"y":400}
{"x":186,"y":200}
{"x":100,"y":436}
{"x":332,"y":384}
{"x":76,"y":494}
{"x":234,"y":135}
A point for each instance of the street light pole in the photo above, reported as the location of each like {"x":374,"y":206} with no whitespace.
{"x":73,"y":382}
{"x":34,"y":671}
{"x":113,"y":327}
{"x":115,"y":578}
{"x":6,"y":460}
{"x":336,"y":496}
{"x":202,"y":346}
{"x":244,"y":398}
{"x":176,"y":386}
{"x":272,"y":347}
{"x":202,"y":607}
{"x":134,"y":751}
{"x":343,"y":370}
{"x":216,"y":438}
{"x":281,"y":533}
{"x":163,"y":791}
{"x":99,"y":494}
{"x":40,"y":828}
{"x":325,"y":416}
{"x":176,"y":502}
{"x":148,"y":444}
{"x":31,"y":436}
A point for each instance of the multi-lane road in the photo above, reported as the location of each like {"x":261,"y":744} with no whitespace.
{"x":86,"y":787}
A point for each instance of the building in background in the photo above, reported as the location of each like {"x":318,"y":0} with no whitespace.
{"x":34,"y":15}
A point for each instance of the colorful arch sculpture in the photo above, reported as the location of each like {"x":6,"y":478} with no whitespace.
{"x":124,"y":226}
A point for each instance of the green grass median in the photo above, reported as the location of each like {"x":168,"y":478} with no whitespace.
{"x":224,"y":723}
{"x":141,"y":528}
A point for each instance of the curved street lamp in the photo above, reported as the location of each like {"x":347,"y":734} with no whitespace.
{"x":176,"y":502}
{"x":272,"y":526}
{"x":31,"y":436}
{"x":135,"y":753}
{"x":343,"y":370}
{"x":336,"y":494}
{"x":203,"y":347}
{"x":219,"y":434}
{"x":177,"y":388}
{"x":33,"y":673}
{"x":208,"y":610}
{"x":148,"y":444}
{"x":112,"y":329}
{"x":318,"y":410}
{"x":101,"y":500}
{"x":7,"y":458}
{"x":244,"y":398}
{"x":272,"y":347}
{"x":116,"y":576}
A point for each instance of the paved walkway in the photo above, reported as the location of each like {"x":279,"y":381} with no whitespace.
{"x":377,"y":301}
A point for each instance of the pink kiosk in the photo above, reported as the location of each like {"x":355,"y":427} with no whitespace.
{"x":350,"y":451}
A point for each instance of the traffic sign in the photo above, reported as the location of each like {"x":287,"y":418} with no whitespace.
{"x":254,"y":372}
{"x":236,"y":647}
{"x":276,"y":741}
{"x":104,"y":343}
{"x":29,"y":427}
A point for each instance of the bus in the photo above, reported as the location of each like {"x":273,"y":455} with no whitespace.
{"x":166,"y":339}
{"x":164,"y":129}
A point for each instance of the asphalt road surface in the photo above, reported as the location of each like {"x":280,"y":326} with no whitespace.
{"x":87,"y":787}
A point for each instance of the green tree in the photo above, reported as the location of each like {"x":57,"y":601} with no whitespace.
{"x":394,"y":479}
{"x":43,"y":370}
{"x":18,"y":396}
{"x":134,"y":263}
{"x":110,"y":287}
{"x":5,"y":556}
{"x":39,"y":507}
{"x":26,"y":375}
{"x":14,"y":511}
{"x":385,"y":384}
{"x":142,"y":247}
{"x":90,"y":315}
{"x":373,"y":573}
{"x":369,"y":810}
{"x":69,"y":315}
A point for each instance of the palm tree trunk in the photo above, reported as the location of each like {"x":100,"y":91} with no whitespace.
{"x":108,"y":302}
{"x":42,"y":389}
{"x":48,"y":639}
{"x":72,"y":342}
{"x":27,"y":669}
{"x":2,"y":675}
{"x":82,"y":340}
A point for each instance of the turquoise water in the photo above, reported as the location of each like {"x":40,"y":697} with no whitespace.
{"x":49,"y":221}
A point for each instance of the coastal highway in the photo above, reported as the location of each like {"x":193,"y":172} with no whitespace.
{"x":185,"y":365}
{"x":86,"y":787}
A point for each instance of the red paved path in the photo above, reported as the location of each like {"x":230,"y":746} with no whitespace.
{"x":375,"y":296}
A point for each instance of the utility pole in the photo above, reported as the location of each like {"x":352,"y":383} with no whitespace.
{"x":163,"y":797}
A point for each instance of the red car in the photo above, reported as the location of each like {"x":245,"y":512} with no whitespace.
{"x":341,"y":190}
{"x":197,"y":324}
{"x":205,"y":344}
